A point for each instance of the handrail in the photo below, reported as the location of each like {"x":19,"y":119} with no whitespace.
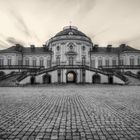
{"x":20,"y":67}
{"x":120,"y":67}
{"x":8,"y":75}
{"x":132,"y":74}
{"x":84,"y":67}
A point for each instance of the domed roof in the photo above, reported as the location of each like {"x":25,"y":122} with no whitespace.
{"x":70,"y":30}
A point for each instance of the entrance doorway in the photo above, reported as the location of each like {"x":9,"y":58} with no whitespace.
{"x":46,"y":79}
{"x":110,"y":79}
{"x":32,"y":80}
{"x":71,"y":77}
{"x":96,"y":79}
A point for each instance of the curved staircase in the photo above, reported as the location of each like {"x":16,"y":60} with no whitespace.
{"x":133,"y":78}
{"x":85,"y":67}
{"x":9,"y":79}
{"x":12,"y":79}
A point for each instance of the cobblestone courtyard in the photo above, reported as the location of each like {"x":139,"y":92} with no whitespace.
{"x":70,"y":112}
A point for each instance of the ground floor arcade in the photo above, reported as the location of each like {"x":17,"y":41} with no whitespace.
{"x":72,"y":76}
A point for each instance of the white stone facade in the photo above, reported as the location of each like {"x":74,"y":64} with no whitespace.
{"x":70,"y":47}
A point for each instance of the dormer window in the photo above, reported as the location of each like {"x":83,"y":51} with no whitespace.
{"x":70,"y":33}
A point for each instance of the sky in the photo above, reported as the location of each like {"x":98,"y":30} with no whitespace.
{"x":36,"y":21}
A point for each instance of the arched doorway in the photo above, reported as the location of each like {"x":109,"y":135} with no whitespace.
{"x":46,"y":79}
{"x":2,"y":73}
{"x":32,"y":80}
{"x":71,"y":77}
{"x":96,"y":79}
{"x":138,"y":73}
{"x":110,"y":79}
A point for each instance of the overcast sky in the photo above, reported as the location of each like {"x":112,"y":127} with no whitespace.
{"x":35,"y":21}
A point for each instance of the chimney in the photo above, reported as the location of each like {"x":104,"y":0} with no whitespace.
{"x":32,"y":47}
{"x":44,"y":47}
{"x":122,"y":45}
{"x":18,"y":47}
{"x":109,"y":48}
{"x":95,"y":47}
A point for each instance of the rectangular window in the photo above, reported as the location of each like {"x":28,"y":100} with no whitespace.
{"x":93,"y":63}
{"x":99,"y":62}
{"x":41,"y":63}
{"x":107,"y":62}
{"x":1,"y":62}
{"x":9,"y":62}
{"x":71,"y":61}
{"x":19,"y":62}
{"x":121,"y":62}
{"x":27,"y":62}
{"x":48,"y":63}
{"x":139,"y":61}
{"x":34,"y":62}
{"x":83,"y":60}
{"x":114,"y":62}
{"x":131,"y":61}
{"x":58,"y":61}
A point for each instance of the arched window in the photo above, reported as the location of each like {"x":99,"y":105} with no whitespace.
{"x":114,"y":62}
{"x":70,"y":60}
{"x":83,"y":60}
{"x":48,"y":62}
{"x":121,"y":61}
{"x":99,"y":62}
{"x":41,"y":61}
{"x":93,"y":63}
{"x":34,"y":61}
{"x":139,"y":60}
{"x":27,"y":61}
{"x":58,"y":60}
{"x":19,"y":61}
{"x":9,"y":61}
{"x":132,"y":61}
{"x":1,"y":61}
{"x":107,"y":62}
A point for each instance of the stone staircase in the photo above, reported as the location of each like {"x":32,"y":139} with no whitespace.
{"x":132,"y":80}
{"x":9,"y":79}
{"x":85,"y":67}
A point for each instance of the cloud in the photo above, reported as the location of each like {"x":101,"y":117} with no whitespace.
{"x":104,"y":21}
{"x":14,"y":41}
{"x":20,"y":23}
{"x":3,"y":44}
{"x":85,"y":6}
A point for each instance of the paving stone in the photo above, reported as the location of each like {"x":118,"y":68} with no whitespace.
{"x":70,"y":113}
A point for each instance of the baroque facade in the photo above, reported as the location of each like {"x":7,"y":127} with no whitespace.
{"x":70,"y":57}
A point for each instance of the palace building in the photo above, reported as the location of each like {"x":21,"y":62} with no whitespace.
{"x":70,"y":57}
